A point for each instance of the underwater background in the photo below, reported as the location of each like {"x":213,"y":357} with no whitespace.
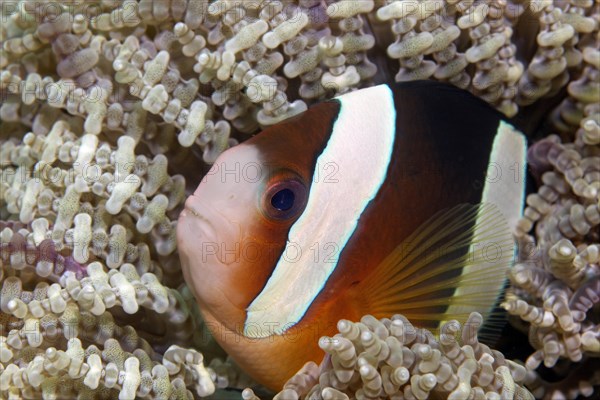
{"x":112,"y":112}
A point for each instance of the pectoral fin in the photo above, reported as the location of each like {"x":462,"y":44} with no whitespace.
{"x":455,"y":263}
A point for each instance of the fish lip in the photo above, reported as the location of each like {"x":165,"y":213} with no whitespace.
{"x":214,"y":227}
{"x":202,"y":222}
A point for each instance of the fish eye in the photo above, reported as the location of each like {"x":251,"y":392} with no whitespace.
{"x":284,"y":199}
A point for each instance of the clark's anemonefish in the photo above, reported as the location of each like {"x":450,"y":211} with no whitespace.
{"x":390,"y":199}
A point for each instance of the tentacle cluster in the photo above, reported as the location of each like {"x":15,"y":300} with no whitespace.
{"x":390,"y":358}
{"x":110,"y":111}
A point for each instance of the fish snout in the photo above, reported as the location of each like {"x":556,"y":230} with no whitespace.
{"x":205,"y":235}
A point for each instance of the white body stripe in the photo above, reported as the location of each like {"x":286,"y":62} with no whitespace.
{"x":359,"y":150}
{"x":505,"y":189}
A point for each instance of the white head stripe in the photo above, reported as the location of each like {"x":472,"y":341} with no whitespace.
{"x":505,"y":189}
{"x":348,"y":175}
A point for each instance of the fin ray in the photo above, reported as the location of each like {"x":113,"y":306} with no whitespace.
{"x":425,"y":276}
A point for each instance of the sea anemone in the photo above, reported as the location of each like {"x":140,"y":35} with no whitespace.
{"x":111,"y":111}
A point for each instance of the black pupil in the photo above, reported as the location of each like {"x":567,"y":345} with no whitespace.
{"x":283,"y":200}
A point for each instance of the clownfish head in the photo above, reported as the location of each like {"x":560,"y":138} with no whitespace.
{"x":234,"y":228}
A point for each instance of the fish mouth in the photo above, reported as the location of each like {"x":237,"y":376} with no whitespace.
{"x":196,"y":214}
{"x":200,"y":221}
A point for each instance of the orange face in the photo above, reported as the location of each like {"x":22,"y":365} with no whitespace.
{"x":234,"y":229}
